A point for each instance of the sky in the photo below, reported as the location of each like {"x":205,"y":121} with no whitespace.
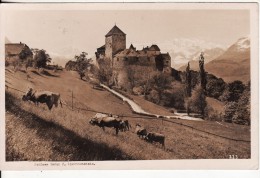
{"x":67,"y":33}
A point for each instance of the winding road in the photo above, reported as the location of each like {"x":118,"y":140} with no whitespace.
{"x":137,"y":109}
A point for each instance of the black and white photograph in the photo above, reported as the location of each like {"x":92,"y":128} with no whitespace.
{"x":92,"y":84}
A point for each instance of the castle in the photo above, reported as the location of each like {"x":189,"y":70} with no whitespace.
{"x":115,"y":50}
{"x":119,"y":57}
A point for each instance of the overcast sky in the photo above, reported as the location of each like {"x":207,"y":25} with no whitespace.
{"x":70,"y":32}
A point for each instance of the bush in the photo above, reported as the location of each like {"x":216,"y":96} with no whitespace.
{"x":197,"y":102}
{"x":214,"y":115}
{"x":230,"y":110}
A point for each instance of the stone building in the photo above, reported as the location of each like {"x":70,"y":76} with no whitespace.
{"x":115,"y":41}
{"x":115,"y":50}
{"x":120,"y":57}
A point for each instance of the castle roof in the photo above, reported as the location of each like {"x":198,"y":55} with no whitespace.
{"x":154,"y":48}
{"x":132,"y":47}
{"x":102,"y":47}
{"x":115,"y":30}
{"x":165,"y":55}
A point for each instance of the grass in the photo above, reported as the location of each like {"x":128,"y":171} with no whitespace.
{"x":35,"y":133}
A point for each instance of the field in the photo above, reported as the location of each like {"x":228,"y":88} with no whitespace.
{"x":62,"y":134}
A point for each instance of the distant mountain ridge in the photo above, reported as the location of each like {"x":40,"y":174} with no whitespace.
{"x":234,"y":63}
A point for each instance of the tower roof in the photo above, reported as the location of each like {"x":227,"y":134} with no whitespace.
{"x":115,"y":30}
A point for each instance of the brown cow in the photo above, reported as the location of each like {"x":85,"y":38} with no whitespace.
{"x":155,"y":137}
{"x":47,"y":97}
{"x":124,"y":125}
{"x":140,"y":131}
{"x":106,"y":122}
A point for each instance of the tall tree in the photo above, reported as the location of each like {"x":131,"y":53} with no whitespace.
{"x":197,"y":101}
{"x":203,"y":80}
{"x":188,"y":81}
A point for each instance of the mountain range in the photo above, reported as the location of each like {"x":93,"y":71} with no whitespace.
{"x":234,"y":63}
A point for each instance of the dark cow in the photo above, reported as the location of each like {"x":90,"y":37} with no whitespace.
{"x":155,"y":137}
{"x":124,"y":125}
{"x":106,"y":122}
{"x":140,"y":131}
{"x":47,"y":97}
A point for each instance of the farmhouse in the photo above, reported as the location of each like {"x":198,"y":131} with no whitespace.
{"x":115,"y":50}
{"x":17,"y":52}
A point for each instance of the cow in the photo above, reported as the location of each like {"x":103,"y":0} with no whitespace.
{"x":124,"y":125}
{"x":102,"y":115}
{"x":155,"y":137}
{"x":106,"y":122}
{"x":140,"y":131}
{"x":47,"y":97}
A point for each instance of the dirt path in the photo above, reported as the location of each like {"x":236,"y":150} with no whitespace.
{"x":138,"y":109}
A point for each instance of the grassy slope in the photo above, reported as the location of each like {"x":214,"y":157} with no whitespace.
{"x":34,"y":133}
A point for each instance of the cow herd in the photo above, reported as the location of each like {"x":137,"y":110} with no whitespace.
{"x":101,"y":120}
{"x":108,"y":120}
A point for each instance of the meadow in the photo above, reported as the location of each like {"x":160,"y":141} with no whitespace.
{"x":64,"y":134}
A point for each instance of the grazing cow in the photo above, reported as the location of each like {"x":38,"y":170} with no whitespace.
{"x":102,"y":115}
{"x":106,"y":122}
{"x":47,"y":97}
{"x":155,"y":137}
{"x":140,"y":131}
{"x":124,"y":125}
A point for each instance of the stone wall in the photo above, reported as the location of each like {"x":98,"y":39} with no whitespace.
{"x":108,"y":45}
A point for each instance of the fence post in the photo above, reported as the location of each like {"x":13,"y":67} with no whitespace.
{"x":72,"y":99}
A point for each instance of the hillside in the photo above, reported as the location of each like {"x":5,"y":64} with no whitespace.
{"x":63,"y":134}
{"x":234,"y":64}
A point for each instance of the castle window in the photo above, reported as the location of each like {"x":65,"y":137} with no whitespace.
{"x":117,"y":59}
{"x":148,"y":59}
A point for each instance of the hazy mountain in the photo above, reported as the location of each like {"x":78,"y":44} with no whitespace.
{"x":209,"y":55}
{"x":59,"y":60}
{"x":183,"y":50}
{"x":234,"y":64}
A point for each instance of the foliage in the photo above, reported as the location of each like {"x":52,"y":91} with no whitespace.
{"x":215,"y":86}
{"x":239,"y":112}
{"x":81,"y":64}
{"x":188,"y":81}
{"x":197,"y":102}
{"x":230,"y":110}
{"x":105,"y":72}
{"x":71,"y":65}
{"x":233,"y":91}
{"x":41,"y":58}
{"x":203,"y":80}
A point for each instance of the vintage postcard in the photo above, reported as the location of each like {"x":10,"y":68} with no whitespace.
{"x":129,"y":86}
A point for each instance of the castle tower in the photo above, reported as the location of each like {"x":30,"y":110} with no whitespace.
{"x":115,"y":41}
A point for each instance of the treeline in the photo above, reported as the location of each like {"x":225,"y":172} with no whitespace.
{"x":37,"y":58}
{"x":185,"y":91}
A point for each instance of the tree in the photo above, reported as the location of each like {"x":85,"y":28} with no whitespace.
{"x":188,"y":81}
{"x":203,"y":81}
{"x":230,"y":110}
{"x":82,"y":64}
{"x":105,"y":71}
{"x":215,"y":86}
{"x":41,"y":58}
{"x":197,"y":101}
{"x":233,"y":91}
